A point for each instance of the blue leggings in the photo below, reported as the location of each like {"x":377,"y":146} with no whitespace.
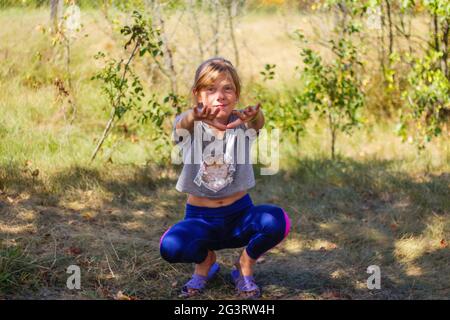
{"x":239,"y":224}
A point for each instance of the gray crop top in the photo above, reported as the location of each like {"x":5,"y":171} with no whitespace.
{"x":213,"y":167}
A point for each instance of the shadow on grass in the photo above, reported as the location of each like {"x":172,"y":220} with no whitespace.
{"x":125,"y":183}
{"x":360,"y":211}
{"x":132,"y":211}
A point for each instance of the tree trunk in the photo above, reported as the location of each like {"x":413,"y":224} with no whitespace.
{"x":230,"y":18}
{"x":333,"y":143}
{"x":391,"y":35}
{"x":215,"y":27}
{"x":445,"y":36}
{"x":168,"y":57}
{"x":196,"y":27}
{"x":436,"y":31}
{"x":403,"y":32}
{"x":341,"y":18}
{"x":56,"y":8}
{"x":332,"y":128}
{"x":382,"y":44}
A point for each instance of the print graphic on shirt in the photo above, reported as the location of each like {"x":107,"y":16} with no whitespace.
{"x":215,"y":173}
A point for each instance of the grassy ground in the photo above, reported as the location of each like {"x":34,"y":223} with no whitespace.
{"x":346,"y":215}
{"x":380,"y":203}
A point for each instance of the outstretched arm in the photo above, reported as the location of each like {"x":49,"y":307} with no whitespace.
{"x":257,"y":122}
{"x":252,"y":117}
{"x":200,"y":113}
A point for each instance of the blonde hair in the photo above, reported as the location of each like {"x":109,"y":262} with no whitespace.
{"x":210,"y":70}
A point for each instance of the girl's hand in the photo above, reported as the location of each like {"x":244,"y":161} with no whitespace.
{"x":206,"y":115}
{"x":246,"y":115}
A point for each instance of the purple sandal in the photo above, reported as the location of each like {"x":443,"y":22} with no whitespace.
{"x":198,"y":282}
{"x":245,"y":284}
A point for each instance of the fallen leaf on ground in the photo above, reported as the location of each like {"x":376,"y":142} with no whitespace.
{"x":74,"y":251}
{"x":87,"y":215}
{"x":121,"y":296}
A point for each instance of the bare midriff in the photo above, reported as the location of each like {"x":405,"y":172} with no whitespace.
{"x":215,"y":203}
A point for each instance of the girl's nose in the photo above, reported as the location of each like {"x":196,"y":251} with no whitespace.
{"x":220,"y":94}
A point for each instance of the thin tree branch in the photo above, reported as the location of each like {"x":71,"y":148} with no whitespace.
{"x":110,"y":122}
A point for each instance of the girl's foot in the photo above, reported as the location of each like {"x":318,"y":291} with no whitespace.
{"x":243,"y":277}
{"x":245,"y":285}
{"x":202,"y":273}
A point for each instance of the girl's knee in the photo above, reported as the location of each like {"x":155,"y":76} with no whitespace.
{"x":178,"y":247}
{"x":171,"y":247}
{"x":277,"y":221}
{"x":275,"y":225}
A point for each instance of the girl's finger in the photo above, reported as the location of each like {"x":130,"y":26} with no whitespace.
{"x":235,"y":123}
{"x":196,"y":112}
{"x":248,"y":113}
{"x":204,"y":110}
{"x":198,"y":109}
{"x":211,"y":116}
{"x":239,"y":114}
{"x":215,"y":113}
{"x":257,"y":107}
{"x":207,"y":112}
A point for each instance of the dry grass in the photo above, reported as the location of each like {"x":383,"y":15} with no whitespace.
{"x":345,"y":215}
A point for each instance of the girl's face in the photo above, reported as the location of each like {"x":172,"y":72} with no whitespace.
{"x":221,"y":94}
